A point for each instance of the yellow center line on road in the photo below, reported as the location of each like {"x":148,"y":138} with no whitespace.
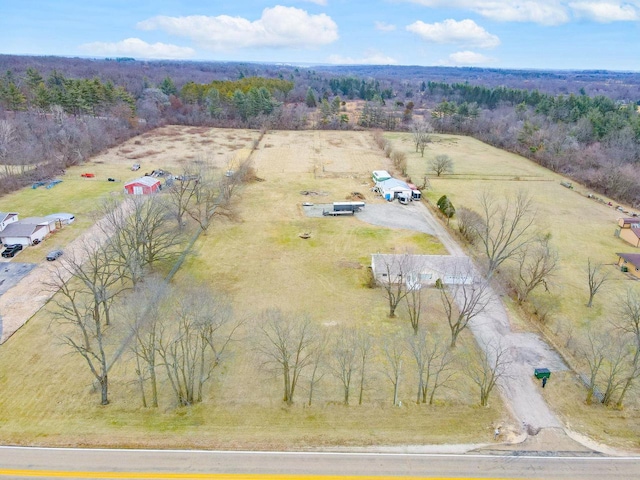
{"x":213,"y":476}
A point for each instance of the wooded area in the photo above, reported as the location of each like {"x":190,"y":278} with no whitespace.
{"x":582,"y":124}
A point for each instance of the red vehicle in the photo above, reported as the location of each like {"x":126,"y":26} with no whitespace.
{"x":88,"y":175}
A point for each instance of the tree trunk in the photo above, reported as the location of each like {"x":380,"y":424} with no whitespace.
{"x":104,"y":398}
{"x":154,"y":386}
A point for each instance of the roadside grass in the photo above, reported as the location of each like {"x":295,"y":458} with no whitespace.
{"x":619,"y":428}
{"x":581,"y":229}
{"x":260,"y":262}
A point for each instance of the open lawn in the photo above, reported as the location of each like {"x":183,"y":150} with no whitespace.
{"x":581,"y":229}
{"x":259,"y":260}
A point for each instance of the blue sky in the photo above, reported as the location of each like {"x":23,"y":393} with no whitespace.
{"x":549,"y":34}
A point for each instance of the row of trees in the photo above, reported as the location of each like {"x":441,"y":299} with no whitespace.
{"x":105,"y":308}
{"x":302,"y":354}
{"x":504,"y":233}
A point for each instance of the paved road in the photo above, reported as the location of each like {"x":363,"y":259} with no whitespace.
{"x":74,"y":463}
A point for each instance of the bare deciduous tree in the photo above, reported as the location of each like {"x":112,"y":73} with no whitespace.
{"x":203,"y":328}
{"x":345,"y":360}
{"x":593,"y":352}
{"x":596,"y":278}
{"x":441,"y":164}
{"x":394,"y":355}
{"x":463,"y":302}
{"x":140,"y":233}
{"x":287,"y":345}
{"x":365,"y":351}
{"x":421,"y":132}
{"x":486,"y":367}
{"x":414,"y":299}
{"x":628,"y":321}
{"x":615,"y":368}
{"x":469,"y":224}
{"x":7,"y":139}
{"x":88,"y":285}
{"x":396,"y":269}
{"x":536,"y":263}
{"x":147,"y":329}
{"x":507,"y":227}
{"x":182,"y":193}
{"x":318,"y":363}
{"x":433,"y":364}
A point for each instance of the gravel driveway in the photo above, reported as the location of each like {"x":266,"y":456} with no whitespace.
{"x":526,"y":351}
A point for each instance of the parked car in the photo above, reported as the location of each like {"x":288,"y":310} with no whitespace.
{"x":11,"y":250}
{"x":52,"y":255}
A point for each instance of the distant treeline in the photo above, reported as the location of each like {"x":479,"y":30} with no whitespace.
{"x":582,"y":124}
{"x":75,"y":96}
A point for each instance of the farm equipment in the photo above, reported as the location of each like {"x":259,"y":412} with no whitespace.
{"x":38,"y":184}
{"x":53,"y":183}
{"x":336,"y":213}
{"x":87,"y":175}
{"x":344,"y":208}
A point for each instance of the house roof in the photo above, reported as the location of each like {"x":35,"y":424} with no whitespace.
{"x":393,"y":183}
{"x":36,"y":221}
{"x":148,"y":181}
{"x":632,"y":258}
{"x":630,"y":220}
{"x":393,"y":264}
{"x":17,"y":229}
{"x":3,"y":215}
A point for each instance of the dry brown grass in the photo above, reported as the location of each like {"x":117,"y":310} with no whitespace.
{"x":261,"y":262}
{"x":580,"y":228}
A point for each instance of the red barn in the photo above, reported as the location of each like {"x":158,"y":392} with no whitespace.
{"x":142,"y":186}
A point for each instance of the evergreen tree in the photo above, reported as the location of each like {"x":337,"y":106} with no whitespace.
{"x":13,"y":98}
{"x":213,"y":103}
{"x":168,"y":87}
{"x":310,"y":99}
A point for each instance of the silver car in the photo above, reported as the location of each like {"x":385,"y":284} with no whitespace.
{"x":51,"y":256}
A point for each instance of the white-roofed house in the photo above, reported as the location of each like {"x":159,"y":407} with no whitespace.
{"x":422,"y":269}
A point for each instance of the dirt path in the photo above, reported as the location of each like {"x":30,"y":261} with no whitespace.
{"x":22,"y":301}
{"x":526,"y":351}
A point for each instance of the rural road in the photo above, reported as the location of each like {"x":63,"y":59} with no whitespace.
{"x":26,"y":462}
{"x":525,"y":351}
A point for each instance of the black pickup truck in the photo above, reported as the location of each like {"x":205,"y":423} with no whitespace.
{"x":11,"y":250}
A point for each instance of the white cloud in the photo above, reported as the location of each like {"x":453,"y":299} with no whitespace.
{"x":545,"y":12}
{"x":317,"y":2}
{"x":385,"y":27}
{"x":370,"y":58}
{"x":134,"y":47}
{"x":466,"y":32}
{"x":468,"y":58}
{"x":605,"y":12}
{"x":279,"y":27}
